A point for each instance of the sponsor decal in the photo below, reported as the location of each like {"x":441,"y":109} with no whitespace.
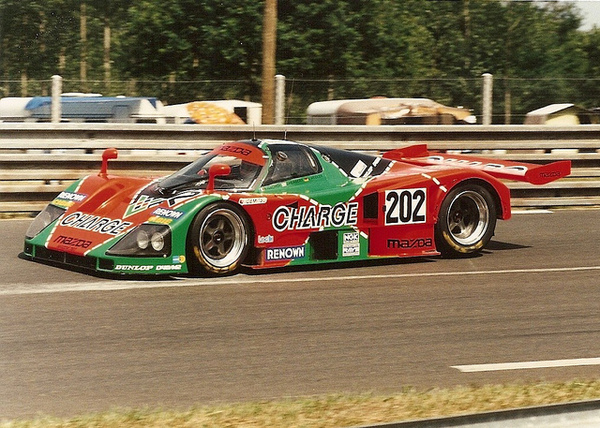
{"x":178,"y":259}
{"x":265,"y":239}
{"x":136,"y":268}
{"x":406,"y":206}
{"x":160,"y":220}
{"x":168,"y":267}
{"x":241,"y":150}
{"x":410,"y":243}
{"x":62,"y":203}
{"x":550,"y":174}
{"x":166,"y":213}
{"x":520,"y":169}
{"x":350,"y":237}
{"x":252,"y":201}
{"x":93,"y":223}
{"x":351,"y":244}
{"x":236,"y":149}
{"x":165,"y":216}
{"x":284,"y":253}
{"x":67,"y":199}
{"x":315,"y":216}
{"x":70,"y":196}
{"x":72,"y":242}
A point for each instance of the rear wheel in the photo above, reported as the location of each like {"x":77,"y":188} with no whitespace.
{"x":219,"y":239}
{"x":466,"y":222}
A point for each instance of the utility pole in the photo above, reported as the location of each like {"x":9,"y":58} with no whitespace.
{"x":488,"y":82}
{"x":268,"y":61}
{"x":279,"y":100}
{"x":55,"y":106}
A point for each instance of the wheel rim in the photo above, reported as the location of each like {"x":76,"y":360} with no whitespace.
{"x":222,"y":238}
{"x":468,"y":217}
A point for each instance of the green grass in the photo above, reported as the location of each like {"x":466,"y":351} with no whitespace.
{"x":334,"y":410}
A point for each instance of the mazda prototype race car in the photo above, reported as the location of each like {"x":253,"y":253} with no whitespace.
{"x":278,"y":203}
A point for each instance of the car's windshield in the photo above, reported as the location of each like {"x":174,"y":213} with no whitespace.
{"x":246,"y":163}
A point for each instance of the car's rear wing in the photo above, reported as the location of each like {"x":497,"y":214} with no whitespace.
{"x":519,"y":171}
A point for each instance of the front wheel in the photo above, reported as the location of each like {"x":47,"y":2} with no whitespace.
{"x":219,"y":239}
{"x":466,"y":222}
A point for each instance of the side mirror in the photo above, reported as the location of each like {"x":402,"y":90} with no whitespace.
{"x":216,"y":170}
{"x":110,"y":153}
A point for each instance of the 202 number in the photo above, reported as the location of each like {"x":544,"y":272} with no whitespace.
{"x":406,"y":206}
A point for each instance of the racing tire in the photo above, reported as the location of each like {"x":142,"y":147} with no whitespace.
{"x":219,"y":240}
{"x":466,"y":221}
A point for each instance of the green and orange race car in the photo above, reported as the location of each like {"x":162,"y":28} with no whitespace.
{"x":275,"y":203}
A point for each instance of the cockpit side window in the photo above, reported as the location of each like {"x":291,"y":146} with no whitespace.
{"x":291,"y":161}
{"x":355,"y":164}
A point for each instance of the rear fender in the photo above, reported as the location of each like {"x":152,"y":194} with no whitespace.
{"x":497,"y":189}
{"x":448,"y":181}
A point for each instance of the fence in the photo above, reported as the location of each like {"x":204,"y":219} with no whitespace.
{"x":37,"y":161}
{"x":512,"y":98}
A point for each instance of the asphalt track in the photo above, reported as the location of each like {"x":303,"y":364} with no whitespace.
{"x":528,"y":309}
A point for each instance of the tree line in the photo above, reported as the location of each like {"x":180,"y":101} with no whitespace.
{"x":182,"y":50}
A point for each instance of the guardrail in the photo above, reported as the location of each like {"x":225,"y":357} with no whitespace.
{"x":580,"y":414}
{"x":38,"y":160}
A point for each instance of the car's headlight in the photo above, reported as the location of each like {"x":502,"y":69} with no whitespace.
{"x":146,"y":240}
{"x":43,"y":219}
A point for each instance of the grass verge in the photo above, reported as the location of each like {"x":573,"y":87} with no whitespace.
{"x":335,"y":410}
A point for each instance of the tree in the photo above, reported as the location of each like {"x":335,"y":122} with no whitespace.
{"x":112,"y":14}
{"x":189,"y":40}
{"x":22,"y":23}
{"x":334,"y":48}
{"x":269,"y":42}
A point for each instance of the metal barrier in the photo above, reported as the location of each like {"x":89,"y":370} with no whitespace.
{"x":581,"y":414}
{"x":39,"y":160}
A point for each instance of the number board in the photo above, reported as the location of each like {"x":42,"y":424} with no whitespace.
{"x":405,"y":206}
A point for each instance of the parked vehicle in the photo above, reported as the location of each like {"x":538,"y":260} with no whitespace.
{"x":83,"y":108}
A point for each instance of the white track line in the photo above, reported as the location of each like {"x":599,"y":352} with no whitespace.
{"x":474,"y":368}
{"x":112,"y":285}
{"x":532,"y":211}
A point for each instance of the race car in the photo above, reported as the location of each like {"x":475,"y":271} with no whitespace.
{"x":276,"y":203}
